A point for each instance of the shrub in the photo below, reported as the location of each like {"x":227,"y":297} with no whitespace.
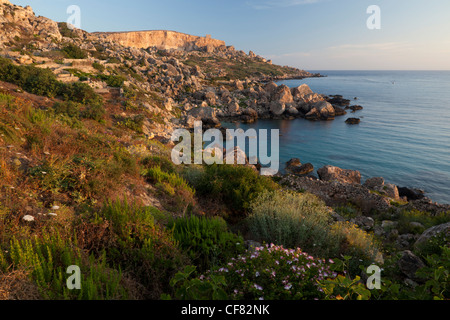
{"x":293,"y":220}
{"x":94,"y":111}
{"x":69,"y":108}
{"x":140,"y":246}
{"x":302,"y":220}
{"x":236,"y":186}
{"x":98,"y":66}
{"x":72,"y":51}
{"x":188,"y":288}
{"x":179,"y":194}
{"x":206,"y":240}
{"x":275,"y":273}
{"x":47,"y":259}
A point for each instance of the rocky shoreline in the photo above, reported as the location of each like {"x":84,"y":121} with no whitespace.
{"x":338,"y":186}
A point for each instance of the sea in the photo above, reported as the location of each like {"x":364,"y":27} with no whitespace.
{"x":404,"y":134}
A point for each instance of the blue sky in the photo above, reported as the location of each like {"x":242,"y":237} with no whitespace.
{"x":309,"y":34}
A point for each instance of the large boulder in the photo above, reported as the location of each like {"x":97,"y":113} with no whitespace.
{"x":411,"y":194}
{"x":277,"y":108}
{"x":331,"y":173}
{"x":321,"y":110}
{"x":301,"y":90}
{"x":207,"y":115}
{"x":283,"y":95}
{"x":270,"y":88}
{"x":409,"y":263}
{"x":249,"y":115}
{"x":432,"y":232}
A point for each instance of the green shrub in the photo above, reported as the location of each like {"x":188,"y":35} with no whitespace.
{"x":206,"y":240}
{"x":236,"y":186}
{"x":94,"y":111}
{"x":98,"y":66}
{"x":69,"y":108}
{"x":47,"y":260}
{"x":140,"y":246}
{"x":302,"y":220}
{"x":293,"y":220}
{"x":72,"y":51}
{"x":44,"y":83}
{"x":187,"y":287}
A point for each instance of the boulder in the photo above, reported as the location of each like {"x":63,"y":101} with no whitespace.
{"x":283,"y":95}
{"x":432,"y":232}
{"x":233,"y":108}
{"x":292,"y":111}
{"x":325,"y":109}
{"x":294,"y":166}
{"x":365,"y":223}
{"x":391,"y":191}
{"x":205,"y":114}
{"x":331,"y":173}
{"x":353,"y":121}
{"x":249,"y":115}
{"x":270,"y":88}
{"x":373,"y":183}
{"x":411,"y":194}
{"x":277,"y":108}
{"x":409,"y":263}
{"x":301,"y":90}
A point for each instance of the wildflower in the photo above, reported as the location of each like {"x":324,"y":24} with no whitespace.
{"x":261,"y":298}
{"x":257,"y":274}
{"x":258,"y":287}
{"x":288,"y":286}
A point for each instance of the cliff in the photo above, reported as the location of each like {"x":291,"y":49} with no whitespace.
{"x":162,"y":39}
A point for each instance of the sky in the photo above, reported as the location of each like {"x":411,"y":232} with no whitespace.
{"x":308,"y":34}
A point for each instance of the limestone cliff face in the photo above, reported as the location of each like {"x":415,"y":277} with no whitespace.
{"x":162,"y":40}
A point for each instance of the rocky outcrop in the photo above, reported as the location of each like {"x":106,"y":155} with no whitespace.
{"x":163,"y":40}
{"x":331,"y":173}
{"x":294,"y":166}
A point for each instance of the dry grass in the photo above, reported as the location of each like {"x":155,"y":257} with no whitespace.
{"x":17,"y":285}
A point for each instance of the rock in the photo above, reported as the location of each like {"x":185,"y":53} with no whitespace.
{"x":365,"y":223}
{"x":326,"y":110}
{"x":249,"y":115}
{"x":432,"y":232}
{"x":331,"y":173}
{"x":354,"y":108}
{"x":301,"y":91}
{"x":409,"y":263}
{"x":292,"y":111}
{"x":168,"y":104}
{"x":28,"y":218}
{"x":303,"y":169}
{"x":339,"y":111}
{"x":338,"y":100}
{"x":233,"y":108}
{"x":373,"y":183}
{"x":391,"y":191}
{"x":353,"y":121}
{"x":293,"y":162}
{"x":205,"y":114}
{"x":283,"y":95}
{"x":277,"y":108}
{"x":411,"y":194}
{"x":388,"y":224}
{"x":270,"y":88}
{"x":238,"y":85}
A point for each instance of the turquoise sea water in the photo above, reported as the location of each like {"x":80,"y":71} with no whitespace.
{"x":404,"y":134}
